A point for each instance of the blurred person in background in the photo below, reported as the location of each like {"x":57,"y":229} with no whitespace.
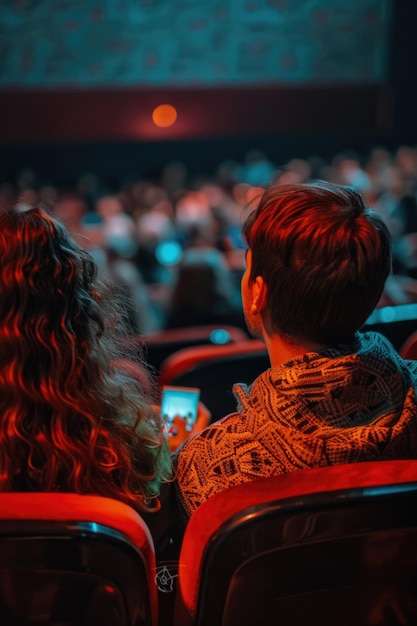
{"x":203,"y":292}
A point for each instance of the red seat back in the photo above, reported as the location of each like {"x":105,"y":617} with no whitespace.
{"x":332,"y":545}
{"x":408,"y":350}
{"x":75,"y":559}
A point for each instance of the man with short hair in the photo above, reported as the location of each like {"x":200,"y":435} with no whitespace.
{"x":317,"y":261}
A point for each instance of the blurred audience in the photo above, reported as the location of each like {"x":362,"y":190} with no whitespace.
{"x":139,"y":232}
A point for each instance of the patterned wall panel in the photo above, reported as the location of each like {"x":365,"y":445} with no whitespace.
{"x":62,"y":43}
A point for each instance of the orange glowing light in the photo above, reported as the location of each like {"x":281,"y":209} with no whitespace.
{"x":164,"y":115}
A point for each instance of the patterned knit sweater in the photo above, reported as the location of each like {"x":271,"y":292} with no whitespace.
{"x":354,"y":403}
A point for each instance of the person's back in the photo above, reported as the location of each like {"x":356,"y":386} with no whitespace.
{"x":316,"y":267}
{"x":204,"y":292}
{"x":69,"y":420}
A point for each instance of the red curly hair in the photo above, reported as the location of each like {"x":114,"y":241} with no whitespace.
{"x":68,"y":420}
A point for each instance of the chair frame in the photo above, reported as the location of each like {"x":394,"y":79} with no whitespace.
{"x":159,"y":345}
{"x":215,"y":533}
{"x":58,"y":522}
{"x":186,"y":359}
{"x":408,"y":350}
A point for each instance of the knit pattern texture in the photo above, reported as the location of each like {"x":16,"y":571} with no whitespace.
{"x":352,"y":403}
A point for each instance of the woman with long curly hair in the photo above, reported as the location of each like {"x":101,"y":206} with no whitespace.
{"x":69,"y":420}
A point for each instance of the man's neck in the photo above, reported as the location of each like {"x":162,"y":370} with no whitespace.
{"x":281,"y":349}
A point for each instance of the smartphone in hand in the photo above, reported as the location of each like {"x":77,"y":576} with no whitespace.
{"x":179,"y":402}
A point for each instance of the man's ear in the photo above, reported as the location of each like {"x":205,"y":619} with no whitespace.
{"x":259,"y":295}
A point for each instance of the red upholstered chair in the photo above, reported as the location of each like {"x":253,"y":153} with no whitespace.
{"x":74,"y":560}
{"x":332,"y":545}
{"x":215,"y":369}
{"x":396,"y":322}
{"x":159,"y":345}
{"x":183,"y":360}
{"x":408,"y":350}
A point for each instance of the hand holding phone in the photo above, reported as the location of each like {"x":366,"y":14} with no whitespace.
{"x":184,"y":414}
{"x":179,"y":402}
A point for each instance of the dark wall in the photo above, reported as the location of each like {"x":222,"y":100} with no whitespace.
{"x":403,"y":76}
{"x":125,"y":114}
{"x":60,"y":134}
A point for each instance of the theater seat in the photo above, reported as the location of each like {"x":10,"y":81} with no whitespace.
{"x":330,"y":546}
{"x":184,"y":360}
{"x":159,"y":345}
{"x":408,"y":350}
{"x":215,"y":369}
{"x":74,"y":560}
{"x":396,"y":322}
